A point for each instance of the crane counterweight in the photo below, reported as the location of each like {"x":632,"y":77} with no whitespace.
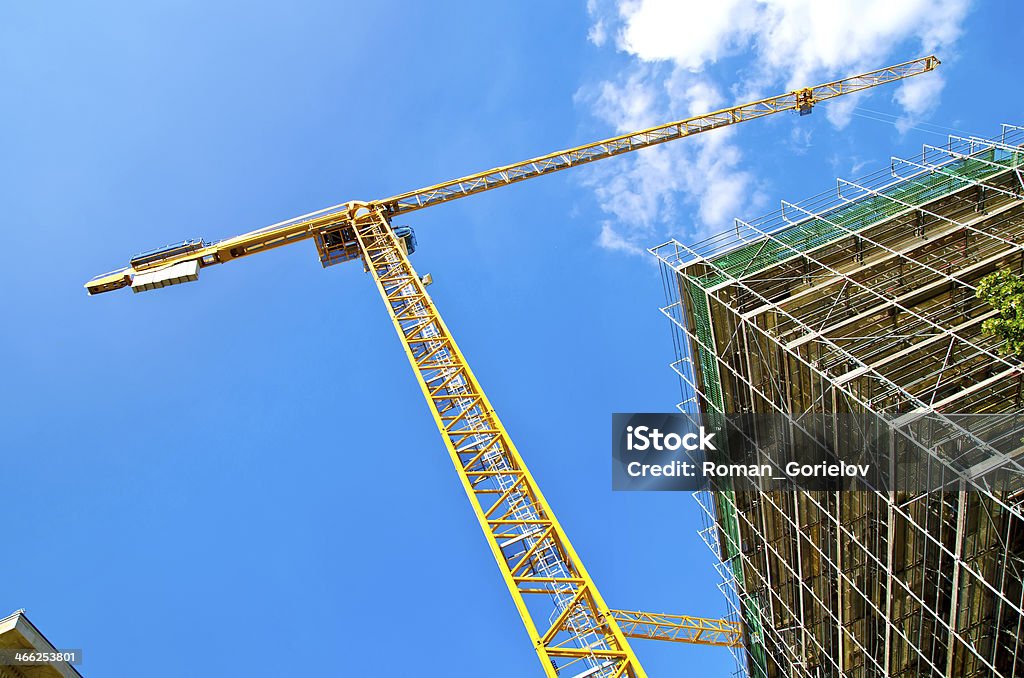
{"x":155,"y":257}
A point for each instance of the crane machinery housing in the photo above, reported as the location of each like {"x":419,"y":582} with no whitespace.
{"x":574,"y":632}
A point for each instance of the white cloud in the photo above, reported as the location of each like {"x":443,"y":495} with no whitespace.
{"x":598,"y":33}
{"x":917,"y":97}
{"x":611,"y":240}
{"x":628,"y":104}
{"x":800,"y":140}
{"x":689,"y":34}
{"x":796,"y":38}
{"x":839,"y":112}
{"x":781,"y":44}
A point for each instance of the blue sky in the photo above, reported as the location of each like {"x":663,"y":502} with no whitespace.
{"x":239,"y":475}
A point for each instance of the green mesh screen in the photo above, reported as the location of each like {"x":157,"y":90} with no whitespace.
{"x":807,"y":235}
{"x":725,"y":498}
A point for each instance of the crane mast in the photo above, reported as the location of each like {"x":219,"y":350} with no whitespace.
{"x":572,"y":626}
{"x":573,"y":630}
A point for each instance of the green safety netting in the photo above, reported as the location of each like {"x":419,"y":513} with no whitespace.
{"x":725,"y":497}
{"x":836,"y":223}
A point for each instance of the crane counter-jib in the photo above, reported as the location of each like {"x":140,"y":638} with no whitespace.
{"x":268,"y":237}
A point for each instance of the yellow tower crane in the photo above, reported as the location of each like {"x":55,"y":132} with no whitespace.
{"x":573,"y":630}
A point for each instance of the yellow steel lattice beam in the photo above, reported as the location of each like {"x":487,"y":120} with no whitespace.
{"x":679,"y":628}
{"x":568,"y":622}
{"x":799,"y":100}
{"x":333,"y":219}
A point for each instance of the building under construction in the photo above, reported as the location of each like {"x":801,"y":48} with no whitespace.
{"x":863,"y":300}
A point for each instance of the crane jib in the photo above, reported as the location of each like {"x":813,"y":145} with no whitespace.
{"x":331,"y":229}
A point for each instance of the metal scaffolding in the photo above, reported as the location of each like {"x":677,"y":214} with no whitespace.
{"x":862,"y":300}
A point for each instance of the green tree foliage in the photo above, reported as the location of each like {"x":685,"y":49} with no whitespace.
{"x":1004,"y":291}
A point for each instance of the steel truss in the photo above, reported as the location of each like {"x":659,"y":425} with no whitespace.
{"x":571,"y":627}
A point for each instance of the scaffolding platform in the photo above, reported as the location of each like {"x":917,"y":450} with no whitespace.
{"x":862,"y":300}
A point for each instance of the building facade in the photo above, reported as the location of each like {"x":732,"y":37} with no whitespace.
{"x":862,"y":300}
